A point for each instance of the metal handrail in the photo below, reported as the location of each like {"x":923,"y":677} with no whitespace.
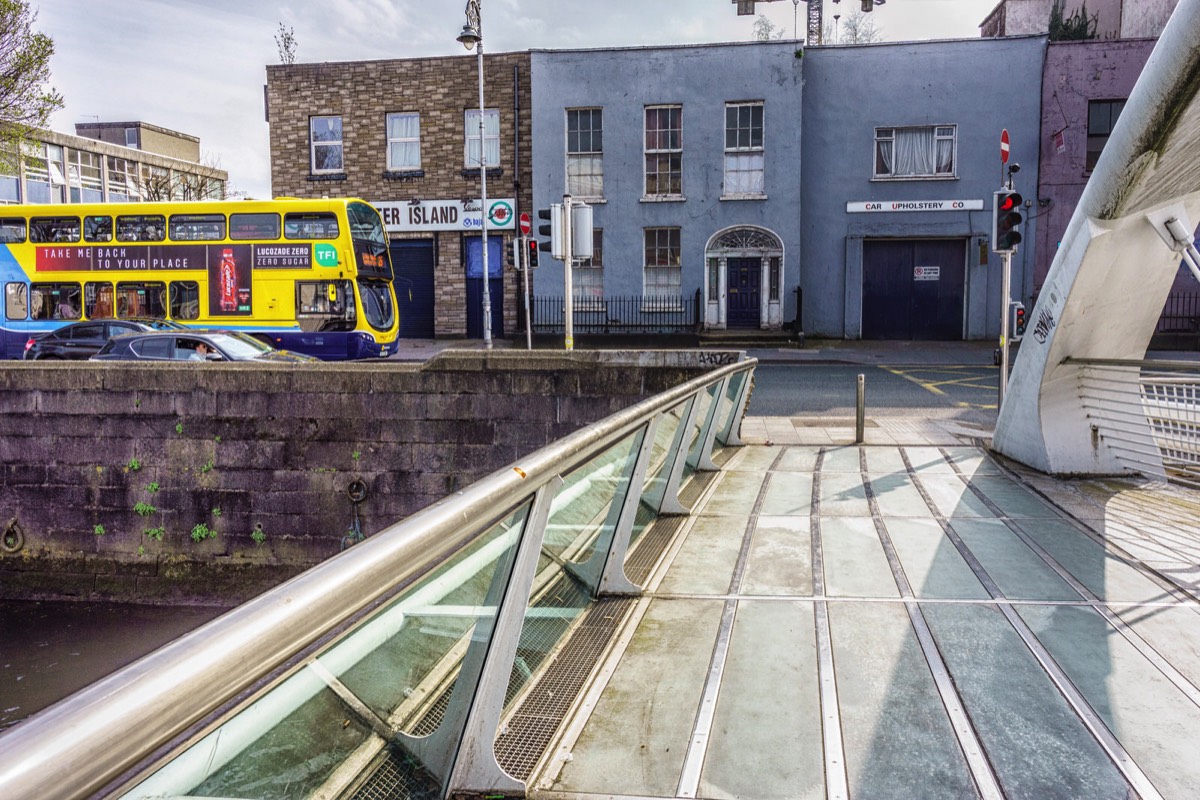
{"x":103,"y":734}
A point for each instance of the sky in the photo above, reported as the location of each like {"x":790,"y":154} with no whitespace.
{"x":198,"y":66}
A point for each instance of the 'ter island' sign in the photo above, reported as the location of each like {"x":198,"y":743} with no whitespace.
{"x":445,"y":215}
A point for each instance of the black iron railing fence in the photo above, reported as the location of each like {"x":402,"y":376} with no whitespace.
{"x":1181,"y":314}
{"x":634,"y":314}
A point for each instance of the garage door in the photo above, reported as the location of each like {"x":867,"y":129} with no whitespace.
{"x":413,"y":261}
{"x":914,"y":288}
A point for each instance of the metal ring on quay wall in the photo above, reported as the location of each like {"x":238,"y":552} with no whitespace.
{"x":14,"y":538}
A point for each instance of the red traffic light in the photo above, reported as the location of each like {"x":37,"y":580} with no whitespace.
{"x":1010,"y":201}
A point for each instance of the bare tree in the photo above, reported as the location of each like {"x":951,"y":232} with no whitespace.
{"x":765,"y":30}
{"x":855,"y":28}
{"x":202,"y":182}
{"x":285,"y":41}
{"x":26,"y":103}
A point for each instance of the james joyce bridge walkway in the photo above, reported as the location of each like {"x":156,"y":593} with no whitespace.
{"x":655,"y":608}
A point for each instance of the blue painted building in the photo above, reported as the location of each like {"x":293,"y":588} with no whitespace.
{"x":900,"y":157}
{"x":739,"y":173}
{"x":690,"y":158}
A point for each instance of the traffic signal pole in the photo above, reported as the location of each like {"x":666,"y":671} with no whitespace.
{"x":568,"y":290}
{"x":1005,"y":292}
{"x":524,"y":263}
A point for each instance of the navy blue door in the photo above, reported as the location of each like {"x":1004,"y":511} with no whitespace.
{"x":743,"y":278}
{"x":475,"y":285}
{"x":913,"y":289}
{"x":412,"y":261}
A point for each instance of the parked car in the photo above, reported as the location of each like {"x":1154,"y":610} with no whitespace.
{"x":194,"y":345}
{"x":81,"y":340}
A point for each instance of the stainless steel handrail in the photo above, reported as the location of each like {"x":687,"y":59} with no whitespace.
{"x":96,"y":737}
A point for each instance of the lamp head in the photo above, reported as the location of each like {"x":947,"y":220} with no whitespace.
{"x":469,"y":36}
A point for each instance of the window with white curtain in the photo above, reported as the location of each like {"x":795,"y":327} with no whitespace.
{"x":585,"y":152}
{"x":744,"y":175}
{"x":403,"y":141}
{"x":491,"y":138}
{"x":662,"y":277}
{"x":917,"y":152}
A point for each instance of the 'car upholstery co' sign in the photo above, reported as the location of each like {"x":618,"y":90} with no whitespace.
{"x":878,"y":206}
{"x":445,"y":215}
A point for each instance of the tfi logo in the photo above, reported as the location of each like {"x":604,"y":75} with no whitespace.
{"x":326,"y":255}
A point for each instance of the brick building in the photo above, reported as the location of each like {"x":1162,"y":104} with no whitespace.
{"x":404,"y":136}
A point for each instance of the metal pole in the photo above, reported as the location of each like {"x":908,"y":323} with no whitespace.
{"x":568,"y":290}
{"x":487,"y":295}
{"x":525,"y":291}
{"x":1005,"y":288}
{"x":860,"y":410}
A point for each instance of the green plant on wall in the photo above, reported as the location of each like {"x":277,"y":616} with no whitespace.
{"x":201,"y":532}
{"x":207,"y":466}
{"x":155,"y":533}
{"x":152,"y":487}
{"x":216,"y":512}
{"x":144,"y":509}
{"x":179,"y":427}
{"x":258,"y":534}
{"x":133,"y":466}
{"x":98,"y":530}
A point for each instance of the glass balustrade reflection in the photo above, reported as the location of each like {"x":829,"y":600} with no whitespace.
{"x":662,"y":455}
{"x":579,"y":534}
{"x":725,"y":421}
{"x":396,"y":672}
{"x":704,"y":400}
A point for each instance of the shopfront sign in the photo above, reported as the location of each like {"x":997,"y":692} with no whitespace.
{"x":880,"y":206}
{"x":405,"y":216}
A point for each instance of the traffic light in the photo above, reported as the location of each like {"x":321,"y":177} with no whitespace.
{"x":554,"y":244}
{"x":1018,"y":320}
{"x":1006,"y":219}
{"x":533,"y":253}
{"x":514,"y":254}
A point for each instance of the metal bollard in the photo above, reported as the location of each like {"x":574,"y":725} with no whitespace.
{"x":860,"y":410}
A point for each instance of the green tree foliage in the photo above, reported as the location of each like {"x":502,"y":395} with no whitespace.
{"x":26,"y":103}
{"x":1076,"y":28}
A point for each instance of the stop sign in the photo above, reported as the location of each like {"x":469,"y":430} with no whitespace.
{"x":526,"y":225}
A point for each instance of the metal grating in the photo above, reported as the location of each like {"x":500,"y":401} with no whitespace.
{"x":532,"y":728}
{"x":651,"y":546}
{"x":395,"y":776}
{"x":432,"y":718}
{"x":690,"y":494}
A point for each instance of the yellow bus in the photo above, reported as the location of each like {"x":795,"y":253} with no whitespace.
{"x":312,"y":276}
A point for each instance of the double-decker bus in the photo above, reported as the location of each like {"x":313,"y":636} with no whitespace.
{"x":313,"y":276}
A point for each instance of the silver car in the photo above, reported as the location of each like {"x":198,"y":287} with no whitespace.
{"x":194,"y":345}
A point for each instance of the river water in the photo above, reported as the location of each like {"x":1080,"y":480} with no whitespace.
{"x":48,"y":650}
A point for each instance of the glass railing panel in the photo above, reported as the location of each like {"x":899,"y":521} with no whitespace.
{"x":659,"y":470}
{"x":581,"y":525}
{"x":402,"y":663}
{"x":695,"y":440}
{"x":725,"y":421}
{"x":584,"y":512}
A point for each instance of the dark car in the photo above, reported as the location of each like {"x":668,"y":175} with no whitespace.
{"x":194,"y":345}
{"x":81,"y":340}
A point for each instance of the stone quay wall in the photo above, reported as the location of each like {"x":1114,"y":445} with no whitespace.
{"x":208,"y":484}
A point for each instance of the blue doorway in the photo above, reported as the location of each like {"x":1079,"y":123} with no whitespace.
{"x":474,"y":261}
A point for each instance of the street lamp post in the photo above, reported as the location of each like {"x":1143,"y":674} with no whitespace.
{"x":472,"y":35}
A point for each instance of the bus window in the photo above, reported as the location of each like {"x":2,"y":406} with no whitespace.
{"x":142,"y":300}
{"x":97,"y":229}
{"x":197,"y":227}
{"x":185,"y":300}
{"x":54,"y":229}
{"x":97,"y":300}
{"x":12,"y":230}
{"x":253,"y":226}
{"x":16,"y":301}
{"x":325,"y":305}
{"x":317,"y":225}
{"x":54,"y":300}
{"x":142,"y":228}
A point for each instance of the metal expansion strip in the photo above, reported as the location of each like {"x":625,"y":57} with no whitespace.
{"x":977,"y":762}
{"x":837,"y":784}
{"x":693,"y":762}
{"x":1116,"y":752}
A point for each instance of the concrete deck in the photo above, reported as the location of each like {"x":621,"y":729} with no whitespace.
{"x":909,"y":618}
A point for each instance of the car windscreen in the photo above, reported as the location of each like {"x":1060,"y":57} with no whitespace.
{"x":377,"y":306}
{"x":239,"y":345}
